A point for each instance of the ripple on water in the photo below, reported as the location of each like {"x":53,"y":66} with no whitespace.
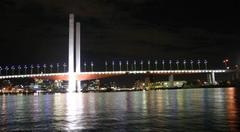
{"x":173,"y":110}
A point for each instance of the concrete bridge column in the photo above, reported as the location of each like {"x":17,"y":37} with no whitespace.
{"x":71,"y":81}
{"x":78,"y":54}
{"x":213,"y":78}
{"x":171,"y":80}
{"x":209,"y":77}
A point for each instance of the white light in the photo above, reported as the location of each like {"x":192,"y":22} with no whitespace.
{"x":74,"y":110}
{"x":72,"y":82}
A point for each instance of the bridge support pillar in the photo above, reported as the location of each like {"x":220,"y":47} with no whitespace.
{"x":78,"y":54}
{"x":171,"y":80}
{"x":209,"y":77}
{"x":212,"y":78}
{"x":71,"y":81}
{"x":78,"y":88}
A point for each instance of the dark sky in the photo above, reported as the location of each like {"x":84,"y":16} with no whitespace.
{"x":36,"y":31}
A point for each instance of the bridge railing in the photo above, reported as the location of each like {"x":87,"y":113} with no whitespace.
{"x":156,"y":65}
{"x":33,"y":69}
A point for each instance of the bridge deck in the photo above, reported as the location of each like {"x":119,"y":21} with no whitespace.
{"x":92,"y":75}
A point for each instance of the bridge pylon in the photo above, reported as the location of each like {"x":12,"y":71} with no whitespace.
{"x":78,"y":54}
{"x":71,"y":81}
{"x":74,"y":85}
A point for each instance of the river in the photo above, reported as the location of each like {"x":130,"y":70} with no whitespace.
{"x":208,"y":109}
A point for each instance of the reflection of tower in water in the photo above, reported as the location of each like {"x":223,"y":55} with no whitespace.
{"x":74,"y":110}
{"x":4,"y":113}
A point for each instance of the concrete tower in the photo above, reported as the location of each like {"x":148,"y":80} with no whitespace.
{"x":71,"y":81}
{"x":78,"y":52}
{"x":78,"y":48}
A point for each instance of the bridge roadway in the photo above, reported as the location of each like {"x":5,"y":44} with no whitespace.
{"x":105,"y":74}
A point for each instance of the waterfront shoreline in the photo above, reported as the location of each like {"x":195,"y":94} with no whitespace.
{"x":105,"y":91}
{"x":158,"y":89}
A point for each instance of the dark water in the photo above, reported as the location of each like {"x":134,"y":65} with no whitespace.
{"x":190,"y":110}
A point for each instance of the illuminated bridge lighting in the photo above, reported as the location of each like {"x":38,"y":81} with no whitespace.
{"x":115,"y":73}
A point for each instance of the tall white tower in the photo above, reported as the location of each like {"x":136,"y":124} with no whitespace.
{"x":78,"y":53}
{"x":71,"y":81}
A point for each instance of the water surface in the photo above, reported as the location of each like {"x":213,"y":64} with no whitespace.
{"x":211,"y":109}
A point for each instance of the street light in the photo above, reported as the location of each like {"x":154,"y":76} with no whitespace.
{"x":51,"y":67}
{"x":38,"y":67}
{"x":199,"y":64}
{"x":149,"y":63}
{"x":135,"y":63}
{"x":141,"y":65}
{"x":205,"y":62}
{"x":85,"y":66}
{"x":184,"y":64}
{"x":64,"y":67}
{"x":12,"y":68}
{"x":191,"y":62}
{"x":91,"y":66}
{"x":170,"y":64}
{"x":19,"y":69}
{"x":44,"y":68}
{"x":120,"y":65}
{"x":127,"y":65}
{"x":58,"y":67}
{"x":113,"y":65}
{"x":31,"y":69}
{"x":156,"y":64}
{"x":1,"y":70}
{"x":6,"y":68}
{"x":163,"y":64}
{"x":106,"y":65}
{"x":132,"y":67}
{"x":25,"y":69}
{"x":177,"y":63}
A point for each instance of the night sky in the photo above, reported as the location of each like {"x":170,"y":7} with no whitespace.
{"x":36,"y":31}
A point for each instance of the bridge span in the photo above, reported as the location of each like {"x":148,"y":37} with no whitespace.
{"x":104,"y":74}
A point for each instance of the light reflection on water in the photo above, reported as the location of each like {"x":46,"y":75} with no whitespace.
{"x":183,"y":109}
{"x":3,"y":113}
{"x":231,"y":109}
{"x":74,"y":111}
